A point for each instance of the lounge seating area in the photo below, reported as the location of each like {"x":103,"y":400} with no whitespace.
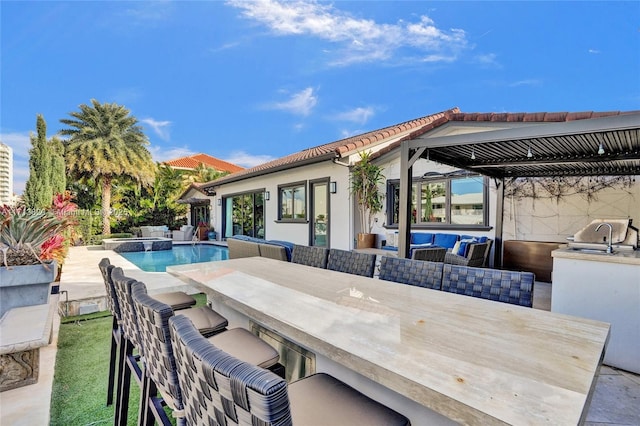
{"x":243,"y":246}
{"x":154,"y":231}
{"x":185,"y":233}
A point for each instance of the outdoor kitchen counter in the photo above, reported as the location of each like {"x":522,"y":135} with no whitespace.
{"x":626,"y":257}
{"x":474,"y":361}
{"x":603,"y":287}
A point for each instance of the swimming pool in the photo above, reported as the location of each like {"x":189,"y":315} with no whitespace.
{"x":157,"y":261}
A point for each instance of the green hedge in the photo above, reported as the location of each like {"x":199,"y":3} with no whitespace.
{"x":97,"y":239}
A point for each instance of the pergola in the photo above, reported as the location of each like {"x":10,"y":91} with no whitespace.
{"x":607,"y":146}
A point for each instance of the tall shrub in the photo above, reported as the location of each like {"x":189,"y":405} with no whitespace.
{"x":38,"y":191}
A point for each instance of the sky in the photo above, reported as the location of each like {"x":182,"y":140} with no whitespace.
{"x":248,"y":82}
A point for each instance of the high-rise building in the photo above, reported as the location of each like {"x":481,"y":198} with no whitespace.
{"x":6,"y":174}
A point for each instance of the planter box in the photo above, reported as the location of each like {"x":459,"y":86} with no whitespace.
{"x":25,"y":285}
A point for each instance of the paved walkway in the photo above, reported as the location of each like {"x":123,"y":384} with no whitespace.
{"x":616,"y":400}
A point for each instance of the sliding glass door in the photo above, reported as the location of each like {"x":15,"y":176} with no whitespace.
{"x":243,"y":214}
{"x":320,"y":213}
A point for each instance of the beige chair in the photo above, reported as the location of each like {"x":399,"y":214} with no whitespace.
{"x":273,"y":252}
{"x":185,"y":233}
{"x":240,"y":248}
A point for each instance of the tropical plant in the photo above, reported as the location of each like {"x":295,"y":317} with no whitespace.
{"x":106,"y":142}
{"x":365,"y":180}
{"x":24,"y":232}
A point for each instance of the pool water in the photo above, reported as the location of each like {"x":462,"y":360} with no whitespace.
{"x":157,"y":261}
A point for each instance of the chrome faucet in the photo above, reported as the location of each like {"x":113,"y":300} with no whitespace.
{"x":609,"y":247}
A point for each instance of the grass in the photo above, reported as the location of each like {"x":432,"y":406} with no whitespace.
{"x":79,"y":392}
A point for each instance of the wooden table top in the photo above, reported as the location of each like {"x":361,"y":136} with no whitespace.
{"x":473,"y":360}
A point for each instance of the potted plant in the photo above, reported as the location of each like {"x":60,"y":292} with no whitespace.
{"x":365,"y":180}
{"x":28,"y":241}
{"x":203,"y":229}
{"x":212,"y":235}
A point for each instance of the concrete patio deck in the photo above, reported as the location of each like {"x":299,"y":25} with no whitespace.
{"x":616,"y":400}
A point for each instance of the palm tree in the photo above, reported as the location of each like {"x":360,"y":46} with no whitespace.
{"x":106,"y":142}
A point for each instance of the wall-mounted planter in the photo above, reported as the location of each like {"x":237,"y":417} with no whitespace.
{"x":26,"y":285}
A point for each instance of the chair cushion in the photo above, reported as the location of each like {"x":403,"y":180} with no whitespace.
{"x":445,"y":240}
{"x":421,"y":238}
{"x":322,"y":399}
{"x":246,"y":346}
{"x":206,"y":320}
{"x":176,"y":299}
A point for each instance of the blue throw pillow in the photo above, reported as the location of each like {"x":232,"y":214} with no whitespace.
{"x":464,"y":246}
{"x":421,"y":238}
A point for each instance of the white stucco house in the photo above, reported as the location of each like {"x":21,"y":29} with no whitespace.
{"x":304,"y":197}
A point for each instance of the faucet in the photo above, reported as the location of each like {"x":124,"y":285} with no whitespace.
{"x":609,"y":247}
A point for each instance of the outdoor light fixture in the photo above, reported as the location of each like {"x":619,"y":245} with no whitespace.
{"x":601,"y":149}
{"x":332,"y":187}
{"x":267,"y":195}
{"x":473,"y":153}
{"x":529,"y":153}
{"x":219,"y":201}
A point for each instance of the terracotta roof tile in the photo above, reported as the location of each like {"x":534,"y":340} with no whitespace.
{"x":192,"y":161}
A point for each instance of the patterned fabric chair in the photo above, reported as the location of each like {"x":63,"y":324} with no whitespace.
{"x":219,"y":389}
{"x":413,"y":272}
{"x":503,"y":286}
{"x":352,"y":262}
{"x":310,"y":256}
{"x":431,"y":254}
{"x":475,"y":257}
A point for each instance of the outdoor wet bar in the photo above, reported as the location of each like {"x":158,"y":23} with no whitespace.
{"x":436,"y":357}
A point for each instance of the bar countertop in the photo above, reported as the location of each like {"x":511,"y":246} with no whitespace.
{"x":475,"y":361}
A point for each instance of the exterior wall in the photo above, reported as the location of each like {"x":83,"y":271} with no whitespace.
{"x":340,"y":211}
{"x":551,"y":220}
{"x":6,"y":174}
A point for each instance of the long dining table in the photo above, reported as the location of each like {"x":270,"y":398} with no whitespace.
{"x":437,"y":357}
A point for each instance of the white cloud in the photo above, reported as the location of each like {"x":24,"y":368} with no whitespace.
{"x":161,"y":154}
{"x":149,"y":12}
{"x":348,"y":133}
{"x":594,"y":51}
{"x":358,"y":40}
{"x":528,"y":82}
{"x":161,"y":128}
{"x":358,"y":115}
{"x":245,"y":159}
{"x":489,"y":59}
{"x":300,"y":103}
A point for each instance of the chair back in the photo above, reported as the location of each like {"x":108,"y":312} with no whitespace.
{"x":352,"y":262}
{"x":476,"y":255}
{"x":160,"y":367}
{"x":310,"y":256}
{"x":273,"y":252}
{"x":413,"y":272}
{"x":431,"y":254}
{"x":220,"y":389}
{"x":122,"y":285}
{"x":492,"y":284}
{"x":239,"y":248}
{"x":106,"y":267}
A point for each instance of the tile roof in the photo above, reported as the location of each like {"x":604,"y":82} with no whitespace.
{"x":192,"y":161}
{"x":333,"y":149}
{"x":405,"y":131}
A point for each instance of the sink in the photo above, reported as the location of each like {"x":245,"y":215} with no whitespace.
{"x":597,"y":247}
{"x":590,"y":250}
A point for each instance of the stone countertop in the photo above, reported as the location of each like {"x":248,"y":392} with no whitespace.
{"x":627,"y":257}
{"x":472,"y":360}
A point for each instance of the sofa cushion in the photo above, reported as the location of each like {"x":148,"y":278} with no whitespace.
{"x":445,"y":240}
{"x":421,"y":238}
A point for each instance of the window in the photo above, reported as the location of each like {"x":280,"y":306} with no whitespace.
{"x":292,"y":199}
{"x":459,"y":201}
{"x":243,"y":214}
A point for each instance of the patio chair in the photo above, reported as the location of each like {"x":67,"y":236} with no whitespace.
{"x":115,"y":353}
{"x":185,"y":233}
{"x":160,"y":374}
{"x":239,"y":248}
{"x":475,"y":256}
{"x":207,"y":321}
{"x":221,"y":389}
{"x":492,"y":284}
{"x":352,"y":262}
{"x":310,"y":256}
{"x":431,"y":254}
{"x":273,"y":252}
{"x":413,"y":272}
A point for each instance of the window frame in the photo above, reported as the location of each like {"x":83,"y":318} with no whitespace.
{"x":299,"y":184}
{"x":447,"y":179}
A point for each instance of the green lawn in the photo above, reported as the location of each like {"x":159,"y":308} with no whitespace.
{"x":82,"y":367}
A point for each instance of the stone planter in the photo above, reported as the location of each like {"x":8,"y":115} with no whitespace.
{"x":25,"y":285}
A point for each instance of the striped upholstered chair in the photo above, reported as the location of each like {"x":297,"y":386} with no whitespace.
{"x":413,"y":272}
{"x":310,"y":256}
{"x":219,"y":389}
{"x":493,"y":284}
{"x":352,"y":262}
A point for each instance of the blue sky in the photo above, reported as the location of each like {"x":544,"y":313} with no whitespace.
{"x":251,"y":81}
